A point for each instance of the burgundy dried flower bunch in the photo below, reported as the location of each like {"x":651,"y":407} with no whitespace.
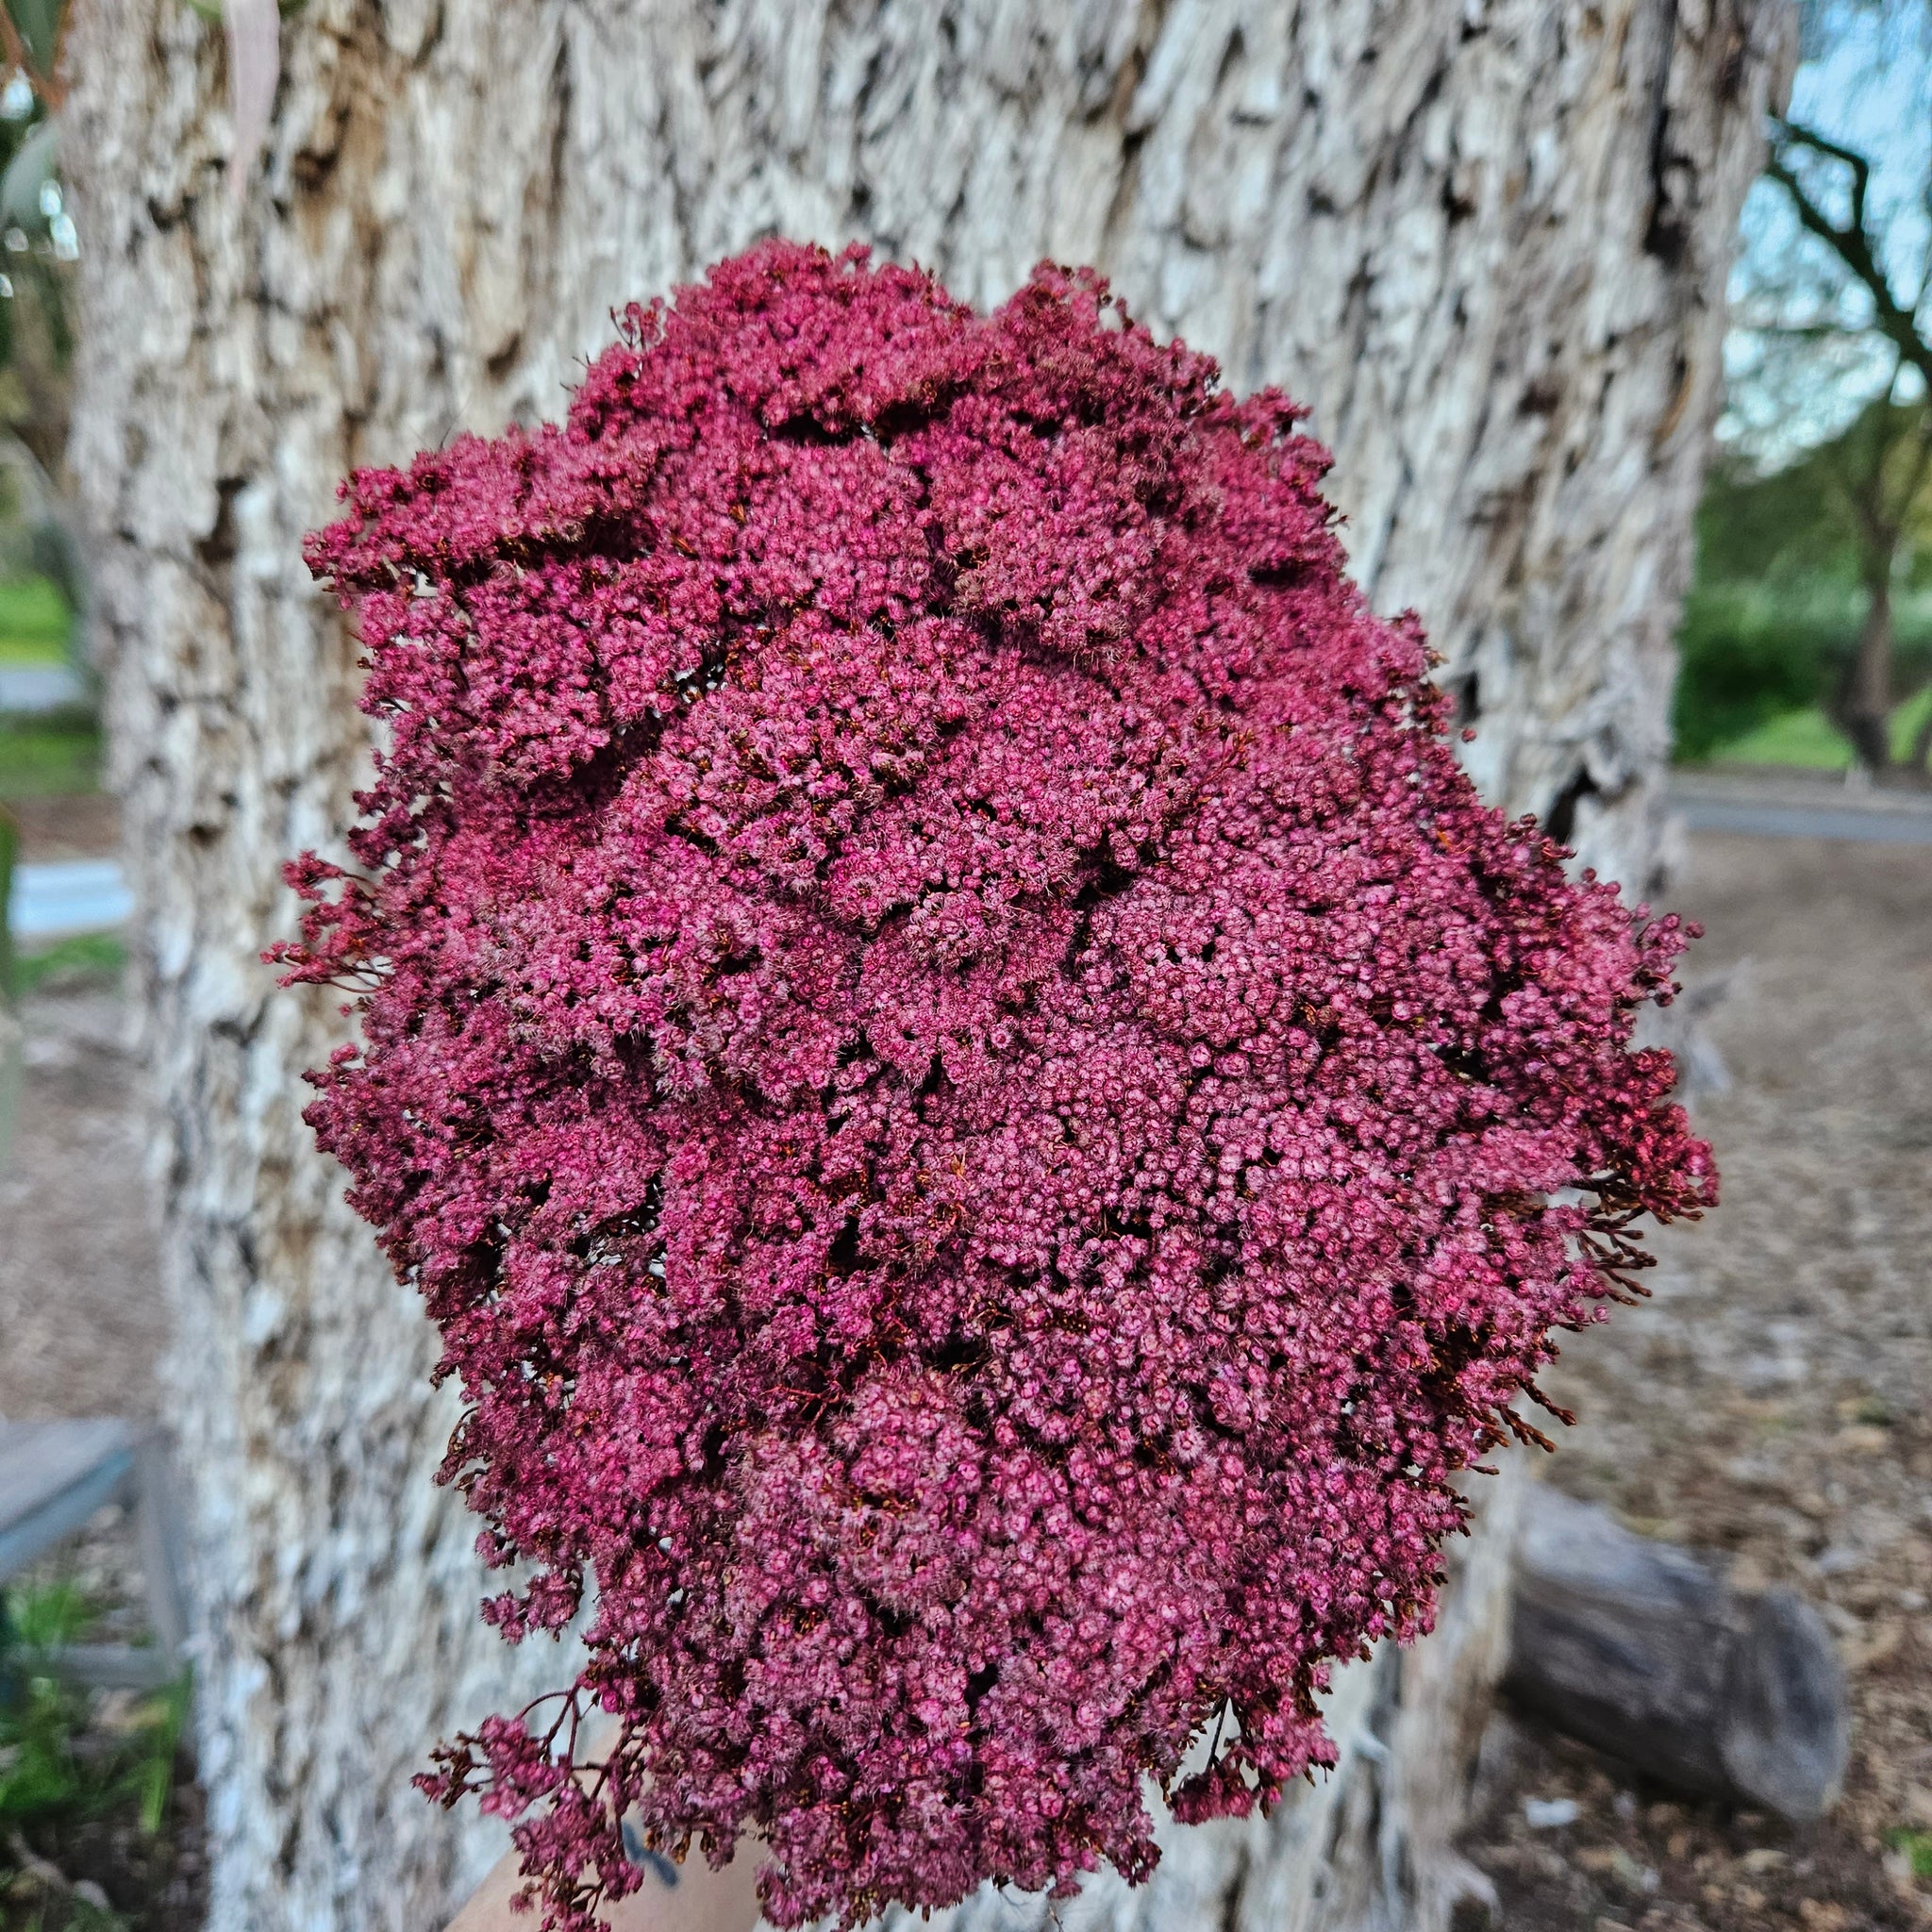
{"x":985,"y":1116}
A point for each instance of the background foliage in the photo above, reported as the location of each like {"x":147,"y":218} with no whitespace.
{"x":1810,"y":628}
{"x":1774,"y":616}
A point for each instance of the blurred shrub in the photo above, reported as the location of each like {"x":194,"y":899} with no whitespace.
{"x":1752,"y":652}
{"x":35,"y":621}
{"x":55,"y":1760}
{"x":1775,"y":612}
{"x":50,"y":757}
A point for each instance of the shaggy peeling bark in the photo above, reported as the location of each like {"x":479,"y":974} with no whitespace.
{"x":1487,"y":244}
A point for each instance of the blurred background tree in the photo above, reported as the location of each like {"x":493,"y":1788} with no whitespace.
{"x":39,"y":246}
{"x":1808,"y":637}
{"x":42,"y":578}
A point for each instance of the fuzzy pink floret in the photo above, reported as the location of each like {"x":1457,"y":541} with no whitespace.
{"x":985,"y":1115}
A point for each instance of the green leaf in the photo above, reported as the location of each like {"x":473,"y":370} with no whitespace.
{"x":1917,"y":1846}
{"x":153,"y":1773}
{"x":212,"y":9}
{"x":46,"y":1618}
{"x":30,"y":169}
{"x":39,"y":22}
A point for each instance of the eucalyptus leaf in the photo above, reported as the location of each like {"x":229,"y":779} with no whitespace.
{"x":38,"y":22}
{"x":30,"y":169}
{"x":213,"y":10}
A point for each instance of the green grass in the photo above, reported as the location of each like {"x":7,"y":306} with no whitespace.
{"x":49,"y":1768}
{"x":86,"y":959}
{"x":1917,"y":1847}
{"x":1809,"y":740}
{"x":52,"y":755}
{"x":34,"y":622}
{"x":1754,"y":656}
{"x":48,"y":757}
{"x":1908,"y":721}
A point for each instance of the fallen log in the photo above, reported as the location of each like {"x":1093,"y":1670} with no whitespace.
{"x":1641,"y":1649}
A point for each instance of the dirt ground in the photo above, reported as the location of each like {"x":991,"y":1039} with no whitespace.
{"x":1772,"y":1404}
{"x":81,"y":1323}
{"x":80,"y":1303}
{"x":68,"y":825}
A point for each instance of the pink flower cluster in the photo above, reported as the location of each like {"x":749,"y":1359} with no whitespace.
{"x":986,"y":1117}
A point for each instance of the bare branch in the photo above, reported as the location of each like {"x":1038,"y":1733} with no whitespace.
{"x":1861,"y":169}
{"x":1801,"y":332}
{"x":1851,"y":243}
{"x":1922,"y":462}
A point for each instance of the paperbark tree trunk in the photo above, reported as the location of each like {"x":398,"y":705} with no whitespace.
{"x":1865,"y":707}
{"x":1488,"y":242}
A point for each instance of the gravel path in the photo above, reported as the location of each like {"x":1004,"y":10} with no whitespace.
{"x":1839,"y":822}
{"x":80,"y":1306}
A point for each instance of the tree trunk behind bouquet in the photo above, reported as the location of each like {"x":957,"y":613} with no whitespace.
{"x":1486,"y":243}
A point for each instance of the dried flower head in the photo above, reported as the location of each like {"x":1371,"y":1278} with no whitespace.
{"x":986,"y":1117}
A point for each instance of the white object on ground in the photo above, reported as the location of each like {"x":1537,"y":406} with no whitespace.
{"x":39,"y":688}
{"x":1546,"y":1814}
{"x":54,"y":899}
